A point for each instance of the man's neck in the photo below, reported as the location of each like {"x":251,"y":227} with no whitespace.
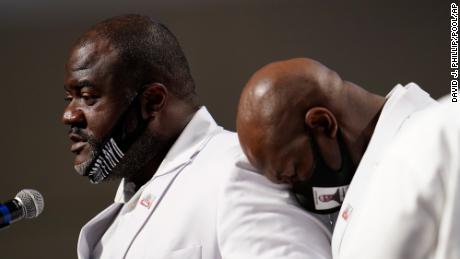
{"x":363,"y":111}
{"x":162,"y":147}
{"x":149,"y":170}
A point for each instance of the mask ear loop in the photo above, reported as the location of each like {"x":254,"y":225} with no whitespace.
{"x":318,"y":158}
{"x":125,"y":138}
{"x":303,"y":197}
{"x":118,"y":142}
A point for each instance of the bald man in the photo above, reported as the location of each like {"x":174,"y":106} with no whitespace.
{"x":302,"y":125}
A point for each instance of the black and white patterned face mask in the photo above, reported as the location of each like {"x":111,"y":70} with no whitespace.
{"x":109,"y":157}
{"x":119,"y":141}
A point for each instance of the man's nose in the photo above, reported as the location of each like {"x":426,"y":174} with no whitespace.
{"x":73,"y":116}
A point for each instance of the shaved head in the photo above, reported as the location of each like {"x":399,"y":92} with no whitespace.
{"x":295,"y":84}
{"x":271,"y":113}
{"x":287,"y":103}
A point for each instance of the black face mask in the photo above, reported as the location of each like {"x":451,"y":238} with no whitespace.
{"x":121,"y":138}
{"x":325,"y":190}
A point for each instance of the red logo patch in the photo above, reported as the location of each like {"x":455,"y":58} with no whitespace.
{"x":346,"y":213}
{"x":146,"y":202}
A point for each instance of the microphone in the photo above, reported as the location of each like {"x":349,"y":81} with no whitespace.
{"x":27,"y":204}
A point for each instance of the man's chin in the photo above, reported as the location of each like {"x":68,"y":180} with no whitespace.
{"x":82,"y":167}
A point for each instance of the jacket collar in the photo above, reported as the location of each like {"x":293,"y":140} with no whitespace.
{"x":401,"y":102}
{"x":193,"y":138}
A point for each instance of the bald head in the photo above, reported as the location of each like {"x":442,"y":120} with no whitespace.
{"x":293,"y":84}
{"x":287,"y":104}
{"x":273,"y":104}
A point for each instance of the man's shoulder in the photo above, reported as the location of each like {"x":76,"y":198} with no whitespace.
{"x":224,"y":145}
{"x":239,"y":177}
{"x":434,"y":126}
{"x":224,"y":159}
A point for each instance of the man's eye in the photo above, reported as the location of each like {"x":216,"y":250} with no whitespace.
{"x":86,"y":96}
{"x":68,"y":98}
{"x":89,"y":99}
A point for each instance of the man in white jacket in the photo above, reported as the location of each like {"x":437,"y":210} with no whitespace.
{"x":301,"y":124}
{"x":187,"y":190}
{"x":412,"y":205}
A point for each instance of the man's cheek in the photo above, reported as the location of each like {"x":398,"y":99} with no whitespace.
{"x":98,"y":132}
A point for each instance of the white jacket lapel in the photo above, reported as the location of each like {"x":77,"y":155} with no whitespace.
{"x":193,"y":139}
{"x":94,"y":229}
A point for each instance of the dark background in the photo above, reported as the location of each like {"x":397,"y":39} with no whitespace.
{"x":375,"y":44}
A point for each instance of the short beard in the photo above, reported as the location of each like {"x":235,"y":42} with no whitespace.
{"x":94,"y":146}
{"x":83,"y":167}
{"x":150,"y":145}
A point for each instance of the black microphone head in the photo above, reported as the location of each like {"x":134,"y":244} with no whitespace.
{"x":32,"y":202}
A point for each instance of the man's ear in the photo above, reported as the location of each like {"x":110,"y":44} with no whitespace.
{"x":153,"y":99}
{"x":321,"y":119}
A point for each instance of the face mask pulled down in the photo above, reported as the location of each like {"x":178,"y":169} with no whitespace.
{"x":325,"y":190}
{"x":119,"y":141}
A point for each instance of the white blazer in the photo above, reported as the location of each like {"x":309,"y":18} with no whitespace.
{"x":412,"y":208}
{"x":206,"y":201}
{"x":402,"y":103}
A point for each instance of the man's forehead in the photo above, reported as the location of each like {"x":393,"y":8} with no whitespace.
{"x":89,"y":52}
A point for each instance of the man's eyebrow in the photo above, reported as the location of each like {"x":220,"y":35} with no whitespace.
{"x":79,"y":85}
